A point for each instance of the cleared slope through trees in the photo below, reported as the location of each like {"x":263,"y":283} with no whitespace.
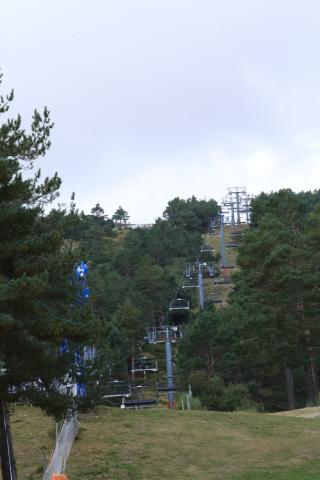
{"x":157,"y":444}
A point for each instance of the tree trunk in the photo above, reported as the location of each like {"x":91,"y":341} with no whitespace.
{"x":290,"y":387}
{"x":314,"y":376}
{"x":133,"y":368}
{"x":311,"y":374}
{"x":311,"y":381}
{"x":8,"y":464}
{"x":308,"y":384}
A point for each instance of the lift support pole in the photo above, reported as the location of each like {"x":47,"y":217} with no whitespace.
{"x":169,"y":366}
{"x":201,"y":289}
{"x":222,"y":246}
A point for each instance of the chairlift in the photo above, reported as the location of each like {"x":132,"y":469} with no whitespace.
{"x":237,"y":233}
{"x":232,"y":244}
{"x":207,"y":248}
{"x":85,"y":293}
{"x":216,"y":300}
{"x":207,"y":267}
{"x":188,"y":269}
{"x":228,"y":266}
{"x":89,"y":353}
{"x":81,"y":270}
{"x":143,"y":365}
{"x":189,"y":283}
{"x":211,"y":270}
{"x":179,"y":304}
{"x":138,"y":403}
{"x":163,"y":334}
{"x":222,"y":281}
{"x":117,"y":389}
{"x":136,"y":400}
{"x":164,"y":388}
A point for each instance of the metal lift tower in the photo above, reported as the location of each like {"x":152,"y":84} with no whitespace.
{"x":236,"y":194}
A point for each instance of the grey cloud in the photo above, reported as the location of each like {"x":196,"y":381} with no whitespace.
{"x":146,"y":90}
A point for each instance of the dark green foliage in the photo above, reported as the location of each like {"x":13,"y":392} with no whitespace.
{"x":215,"y":395}
{"x":35,"y":267}
{"x":134,"y":273}
{"x":268,"y":337}
{"x":191,"y":214}
{"x":120,"y":217}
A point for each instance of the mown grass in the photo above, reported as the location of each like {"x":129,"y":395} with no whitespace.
{"x":157,"y":444}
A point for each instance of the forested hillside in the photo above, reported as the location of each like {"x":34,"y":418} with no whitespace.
{"x":264,"y":346}
{"x":261,"y":350}
{"x":134,"y":273}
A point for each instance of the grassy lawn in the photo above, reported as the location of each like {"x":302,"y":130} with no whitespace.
{"x":157,"y":444}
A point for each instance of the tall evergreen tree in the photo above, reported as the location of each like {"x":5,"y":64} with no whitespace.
{"x":35,"y":292}
{"x":121,"y":217}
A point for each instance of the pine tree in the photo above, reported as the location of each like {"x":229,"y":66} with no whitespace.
{"x":121,"y":217}
{"x":35,"y":291}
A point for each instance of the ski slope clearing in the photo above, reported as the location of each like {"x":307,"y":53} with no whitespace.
{"x":159,"y":444}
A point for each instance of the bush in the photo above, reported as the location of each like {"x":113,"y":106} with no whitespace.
{"x":195,"y":402}
{"x":215,"y":395}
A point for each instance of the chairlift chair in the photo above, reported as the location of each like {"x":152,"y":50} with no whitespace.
{"x":138,"y":403}
{"x":215,"y":299}
{"x":117,"y":389}
{"x":143,"y":365}
{"x":189,"y":283}
{"x":228,"y":266}
{"x":207,"y":267}
{"x":188,"y":269}
{"x":207,"y":248}
{"x":232,"y":244}
{"x":237,"y":231}
{"x":137,"y":400}
{"x":211,"y":270}
{"x":222,"y":281}
{"x":179,"y":304}
{"x":164,"y":333}
{"x":164,"y":388}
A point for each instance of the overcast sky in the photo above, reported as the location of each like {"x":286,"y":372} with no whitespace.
{"x":154,"y":99}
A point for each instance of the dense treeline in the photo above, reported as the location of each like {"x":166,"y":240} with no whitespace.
{"x":134,"y":273}
{"x":264,"y":346}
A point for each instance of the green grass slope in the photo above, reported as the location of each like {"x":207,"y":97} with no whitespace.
{"x":158,"y":444}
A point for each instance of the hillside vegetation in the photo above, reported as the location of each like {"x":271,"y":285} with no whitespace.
{"x":159,"y":444}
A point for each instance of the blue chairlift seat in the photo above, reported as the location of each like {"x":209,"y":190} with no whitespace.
{"x":81,"y":390}
{"x":85,"y":293}
{"x":64,"y":346}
